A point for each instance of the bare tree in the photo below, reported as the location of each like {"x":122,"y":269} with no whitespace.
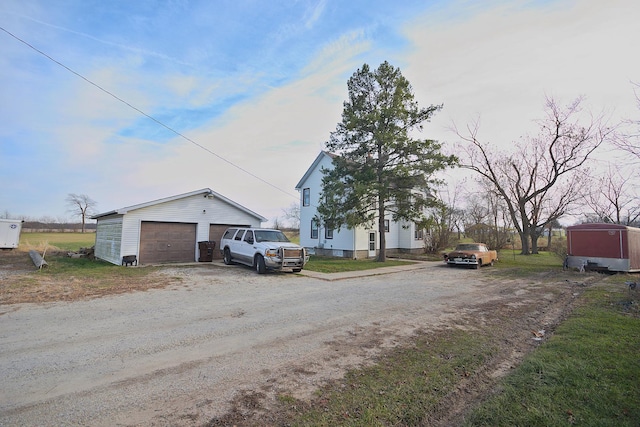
{"x":540,"y":180}
{"x":487,"y":218}
{"x":629,"y":139}
{"x":81,"y":205}
{"x":443,"y":219}
{"x":614,"y":198}
{"x":292,"y":214}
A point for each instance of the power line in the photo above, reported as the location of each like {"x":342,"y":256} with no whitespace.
{"x":133,"y":107}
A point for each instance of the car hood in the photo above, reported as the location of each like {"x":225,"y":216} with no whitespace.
{"x":275,"y":245}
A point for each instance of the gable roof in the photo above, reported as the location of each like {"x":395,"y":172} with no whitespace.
{"x":206,"y":191}
{"x":313,"y":166}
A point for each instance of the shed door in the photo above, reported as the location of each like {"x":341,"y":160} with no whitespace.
{"x":167,"y":242}
{"x":215,"y":234}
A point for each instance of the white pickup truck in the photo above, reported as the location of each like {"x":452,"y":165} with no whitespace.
{"x":261,"y":248}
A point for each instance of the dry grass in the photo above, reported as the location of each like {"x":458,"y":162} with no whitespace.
{"x":67,"y":279}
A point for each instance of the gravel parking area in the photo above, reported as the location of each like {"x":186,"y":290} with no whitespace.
{"x":180,"y":355}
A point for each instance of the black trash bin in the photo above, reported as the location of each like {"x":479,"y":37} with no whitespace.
{"x":206,"y":251}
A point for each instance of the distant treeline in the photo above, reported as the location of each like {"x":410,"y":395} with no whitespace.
{"x":55,"y":227}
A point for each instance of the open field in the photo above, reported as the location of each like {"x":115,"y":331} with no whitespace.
{"x":56,"y":241}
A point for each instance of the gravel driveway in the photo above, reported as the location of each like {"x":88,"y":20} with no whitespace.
{"x":177,"y":356}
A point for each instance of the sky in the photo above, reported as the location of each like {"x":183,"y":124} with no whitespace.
{"x":129,"y":102}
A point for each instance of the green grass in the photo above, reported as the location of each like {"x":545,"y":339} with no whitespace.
{"x":402,"y":388}
{"x":511,"y":262}
{"x":587,"y":374}
{"x":336,"y":265}
{"x":62,"y":241}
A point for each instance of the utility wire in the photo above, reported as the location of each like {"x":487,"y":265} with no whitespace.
{"x":133,"y":107}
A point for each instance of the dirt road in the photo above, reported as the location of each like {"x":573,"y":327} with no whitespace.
{"x":177,"y":356}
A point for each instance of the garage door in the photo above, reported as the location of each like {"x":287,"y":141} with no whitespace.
{"x":215,"y":234}
{"x":167,"y":242}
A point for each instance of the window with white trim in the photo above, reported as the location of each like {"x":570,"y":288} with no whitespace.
{"x":306,"y":196}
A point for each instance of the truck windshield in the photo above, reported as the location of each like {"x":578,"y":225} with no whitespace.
{"x":270,"y":236}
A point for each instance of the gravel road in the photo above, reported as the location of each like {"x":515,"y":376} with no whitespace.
{"x":177,"y":356}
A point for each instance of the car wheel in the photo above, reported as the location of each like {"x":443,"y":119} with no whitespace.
{"x":479,"y":264}
{"x":259,"y":264}
{"x":226,"y":257}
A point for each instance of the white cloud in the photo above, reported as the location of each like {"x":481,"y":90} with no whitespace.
{"x":500,"y":64}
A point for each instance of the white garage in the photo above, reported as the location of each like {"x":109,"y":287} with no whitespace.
{"x":169,"y":229}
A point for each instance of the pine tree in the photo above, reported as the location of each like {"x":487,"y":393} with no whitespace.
{"x":380,"y":168}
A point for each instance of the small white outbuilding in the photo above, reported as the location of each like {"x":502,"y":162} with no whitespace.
{"x":169,"y":229}
{"x":10,"y":233}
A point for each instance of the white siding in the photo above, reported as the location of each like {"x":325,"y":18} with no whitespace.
{"x":108,"y":239}
{"x":400,"y":236}
{"x":314,"y":183}
{"x":197,"y":209}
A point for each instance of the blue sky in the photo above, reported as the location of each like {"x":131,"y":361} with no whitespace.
{"x":261,"y":85}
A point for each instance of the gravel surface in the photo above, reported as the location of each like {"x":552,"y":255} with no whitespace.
{"x":177,"y":356}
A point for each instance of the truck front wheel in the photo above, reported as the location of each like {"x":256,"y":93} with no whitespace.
{"x":259,"y":264}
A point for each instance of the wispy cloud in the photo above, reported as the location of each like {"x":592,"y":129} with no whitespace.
{"x":314,"y":12}
{"x":120,"y":46}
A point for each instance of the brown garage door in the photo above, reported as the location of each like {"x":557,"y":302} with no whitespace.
{"x":215,"y":234}
{"x":167,"y":242}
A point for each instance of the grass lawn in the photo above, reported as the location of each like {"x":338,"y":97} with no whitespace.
{"x":336,"y":265}
{"x":510,"y":261}
{"x":587,"y":374}
{"x":402,"y":388}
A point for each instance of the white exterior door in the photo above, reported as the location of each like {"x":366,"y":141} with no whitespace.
{"x":372,"y":244}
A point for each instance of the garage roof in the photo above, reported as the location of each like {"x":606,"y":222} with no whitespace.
{"x":207,"y":191}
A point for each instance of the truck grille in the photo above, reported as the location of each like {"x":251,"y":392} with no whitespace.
{"x":292,"y":253}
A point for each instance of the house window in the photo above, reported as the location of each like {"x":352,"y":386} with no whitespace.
{"x":314,"y":229}
{"x":306,"y":197}
{"x":328,"y":233}
{"x":419,"y":233}
{"x":386,"y":225}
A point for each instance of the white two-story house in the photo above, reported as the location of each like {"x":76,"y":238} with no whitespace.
{"x":360,"y":242}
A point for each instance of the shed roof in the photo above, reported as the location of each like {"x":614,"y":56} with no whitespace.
{"x":208,"y":191}
{"x":600,"y":226}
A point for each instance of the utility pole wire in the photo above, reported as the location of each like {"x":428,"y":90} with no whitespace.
{"x":133,"y":107}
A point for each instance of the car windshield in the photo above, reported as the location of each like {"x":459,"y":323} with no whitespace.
{"x":468,"y":247}
{"x":270,"y":236}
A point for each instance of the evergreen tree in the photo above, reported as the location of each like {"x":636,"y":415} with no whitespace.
{"x":380,"y":167}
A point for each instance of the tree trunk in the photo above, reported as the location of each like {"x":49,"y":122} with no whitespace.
{"x":382,"y":253}
{"x":534,"y":240}
{"x":524,"y":241}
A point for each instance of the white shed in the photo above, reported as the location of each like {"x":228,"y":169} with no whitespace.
{"x":169,"y":229}
{"x":10,"y":233}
